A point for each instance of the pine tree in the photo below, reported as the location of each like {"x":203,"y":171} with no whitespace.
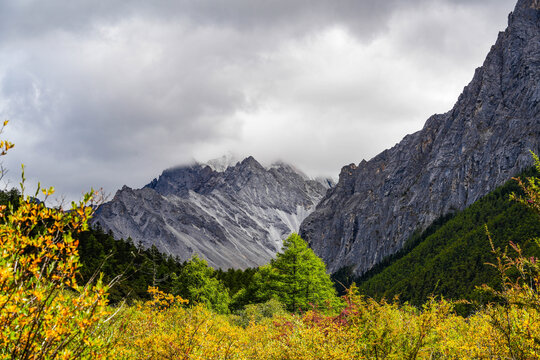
{"x":297,"y":277}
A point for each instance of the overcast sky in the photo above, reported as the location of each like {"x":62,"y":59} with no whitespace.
{"x":102,"y":93}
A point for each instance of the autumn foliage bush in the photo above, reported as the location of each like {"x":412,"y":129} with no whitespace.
{"x":44,"y":312}
{"x":164,"y":328}
{"x":362,"y":329}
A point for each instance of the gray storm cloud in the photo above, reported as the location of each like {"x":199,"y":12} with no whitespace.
{"x":106,"y":93}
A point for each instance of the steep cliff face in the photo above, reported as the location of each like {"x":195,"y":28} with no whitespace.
{"x":233,"y":216}
{"x":455,"y":159}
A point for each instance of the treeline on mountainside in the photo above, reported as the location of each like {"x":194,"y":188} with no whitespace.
{"x":449,"y":258}
{"x":345,"y":277}
{"x":132,"y":268}
{"x":296,"y":278}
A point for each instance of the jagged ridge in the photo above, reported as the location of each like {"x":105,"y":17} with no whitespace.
{"x":235,"y":217}
{"x":454,"y":160}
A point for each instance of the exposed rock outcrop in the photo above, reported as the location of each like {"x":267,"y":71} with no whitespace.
{"x":232,"y":215}
{"x":454,"y":160}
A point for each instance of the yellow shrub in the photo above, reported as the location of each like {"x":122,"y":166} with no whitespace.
{"x":164,"y":329}
{"x":44,"y":313}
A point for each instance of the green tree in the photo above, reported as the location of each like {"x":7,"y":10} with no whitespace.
{"x":196,"y":283}
{"x":297,"y":277}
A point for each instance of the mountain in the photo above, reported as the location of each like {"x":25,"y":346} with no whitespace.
{"x":235,"y":215}
{"x":450,"y":259}
{"x":454,"y":160}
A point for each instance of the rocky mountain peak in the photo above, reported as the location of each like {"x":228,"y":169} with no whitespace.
{"x":232,"y":215}
{"x":250,"y":163}
{"x":455,"y":159}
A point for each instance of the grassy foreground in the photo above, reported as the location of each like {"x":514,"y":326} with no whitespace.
{"x":364,"y":329}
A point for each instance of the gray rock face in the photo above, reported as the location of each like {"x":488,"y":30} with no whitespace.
{"x":235,"y":217}
{"x":454,"y":160}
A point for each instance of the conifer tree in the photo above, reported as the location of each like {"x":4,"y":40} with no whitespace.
{"x":297,"y":277}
